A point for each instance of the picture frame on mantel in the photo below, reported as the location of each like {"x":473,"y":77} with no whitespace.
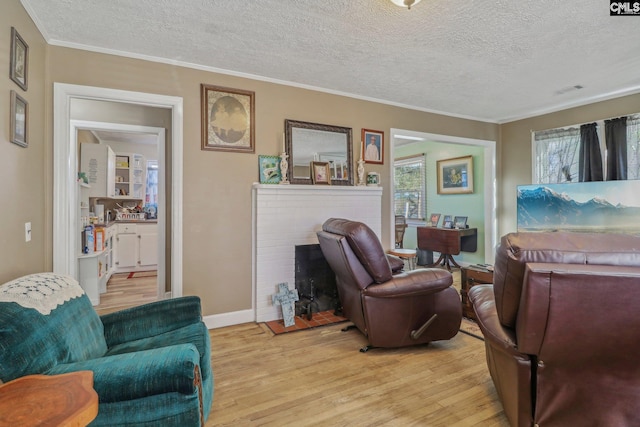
{"x":19,"y":62}
{"x":320,"y":173}
{"x":228,"y":119}
{"x":373,"y":146}
{"x":269,"y":169}
{"x":19,"y":120}
{"x":455,"y":176}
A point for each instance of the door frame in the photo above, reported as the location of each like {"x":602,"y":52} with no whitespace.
{"x":490,"y":225}
{"x":65,"y":159}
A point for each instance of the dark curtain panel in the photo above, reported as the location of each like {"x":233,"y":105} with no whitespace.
{"x":590,"y":160}
{"x":615,"y":131}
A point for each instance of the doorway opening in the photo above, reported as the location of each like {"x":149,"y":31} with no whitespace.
{"x":130,"y":246}
{"x":402,"y":138}
{"x":65,"y":192}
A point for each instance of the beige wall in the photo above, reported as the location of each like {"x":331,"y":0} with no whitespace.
{"x":23,"y":171}
{"x":217,"y":185}
{"x":516,"y":147}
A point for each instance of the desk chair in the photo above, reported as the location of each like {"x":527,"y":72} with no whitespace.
{"x":401,"y":226}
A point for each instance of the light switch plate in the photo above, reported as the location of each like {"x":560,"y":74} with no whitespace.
{"x":27,"y":231}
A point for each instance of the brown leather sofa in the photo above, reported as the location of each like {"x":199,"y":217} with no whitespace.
{"x":561,"y":328}
{"x":391,"y":310}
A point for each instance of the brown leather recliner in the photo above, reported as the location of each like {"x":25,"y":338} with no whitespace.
{"x":391,"y":310}
{"x":561,"y":328}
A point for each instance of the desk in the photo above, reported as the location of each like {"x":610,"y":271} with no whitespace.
{"x":447,"y":241}
{"x":49,"y":400}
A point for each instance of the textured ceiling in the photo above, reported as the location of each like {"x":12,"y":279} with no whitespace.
{"x":492,"y":60}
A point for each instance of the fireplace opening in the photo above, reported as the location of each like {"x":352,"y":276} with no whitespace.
{"x":315,"y":282}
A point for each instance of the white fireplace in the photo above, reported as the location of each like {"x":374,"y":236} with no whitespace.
{"x":288,"y":215}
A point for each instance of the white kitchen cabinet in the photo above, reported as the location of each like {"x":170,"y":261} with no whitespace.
{"x":130,"y":176}
{"x":91,"y":270}
{"x":137,"y":247}
{"x":98,"y":162}
{"x":127,"y":252}
{"x":148,"y":249}
{"x":110,"y":240}
{"x":95,"y":269}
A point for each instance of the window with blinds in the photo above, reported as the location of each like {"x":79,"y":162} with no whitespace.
{"x":410,"y":187}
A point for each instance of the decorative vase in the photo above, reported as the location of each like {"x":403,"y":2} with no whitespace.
{"x":373,"y":179}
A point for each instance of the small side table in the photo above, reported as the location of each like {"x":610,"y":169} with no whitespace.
{"x":469,"y":277}
{"x":49,"y":400}
{"x":408,"y":255}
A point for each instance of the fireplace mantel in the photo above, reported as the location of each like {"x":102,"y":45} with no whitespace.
{"x":288,"y":215}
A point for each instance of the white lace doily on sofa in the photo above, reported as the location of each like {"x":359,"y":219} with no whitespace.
{"x":42,"y":291}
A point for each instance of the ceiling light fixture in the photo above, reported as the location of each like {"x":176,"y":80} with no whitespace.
{"x":405,"y":3}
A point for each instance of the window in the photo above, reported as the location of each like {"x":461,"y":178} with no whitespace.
{"x":556,"y":154}
{"x":151,"y":198}
{"x":410,"y":182}
{"x":633,"y":147}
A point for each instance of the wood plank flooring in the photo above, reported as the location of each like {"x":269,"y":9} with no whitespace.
{"x":318,"y":377}
{"x":123,"y":292}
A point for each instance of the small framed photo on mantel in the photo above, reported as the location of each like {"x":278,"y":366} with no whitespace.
{"x":269,"y":169}
{"x":320,"y":173}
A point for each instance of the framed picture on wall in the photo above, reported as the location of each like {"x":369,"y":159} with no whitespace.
{"x":228,"y":119}
{"x":455,"y":176}
{"x":19,"y":120}
{"x":373,"y":146}
{"x":19,"y":64}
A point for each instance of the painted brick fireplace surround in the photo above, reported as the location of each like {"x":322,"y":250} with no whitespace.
{"x":288,"y":215}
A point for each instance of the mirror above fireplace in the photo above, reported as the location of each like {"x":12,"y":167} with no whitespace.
{"x":308,"y":142}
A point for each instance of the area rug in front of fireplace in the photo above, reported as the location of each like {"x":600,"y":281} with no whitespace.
{"x":322,"y":318}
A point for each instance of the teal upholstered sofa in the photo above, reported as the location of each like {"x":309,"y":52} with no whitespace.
{"x":151,"y":364}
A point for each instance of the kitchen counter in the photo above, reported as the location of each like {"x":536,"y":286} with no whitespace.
{"x":128,"y":221}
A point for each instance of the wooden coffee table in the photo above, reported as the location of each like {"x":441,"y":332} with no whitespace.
{"x":49,"y":400}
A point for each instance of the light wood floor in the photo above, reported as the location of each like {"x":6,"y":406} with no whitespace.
{"x":124,"y":293}
{"x":318,"y":377}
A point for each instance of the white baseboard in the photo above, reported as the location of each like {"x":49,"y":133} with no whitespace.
{"x":215,"y":321}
